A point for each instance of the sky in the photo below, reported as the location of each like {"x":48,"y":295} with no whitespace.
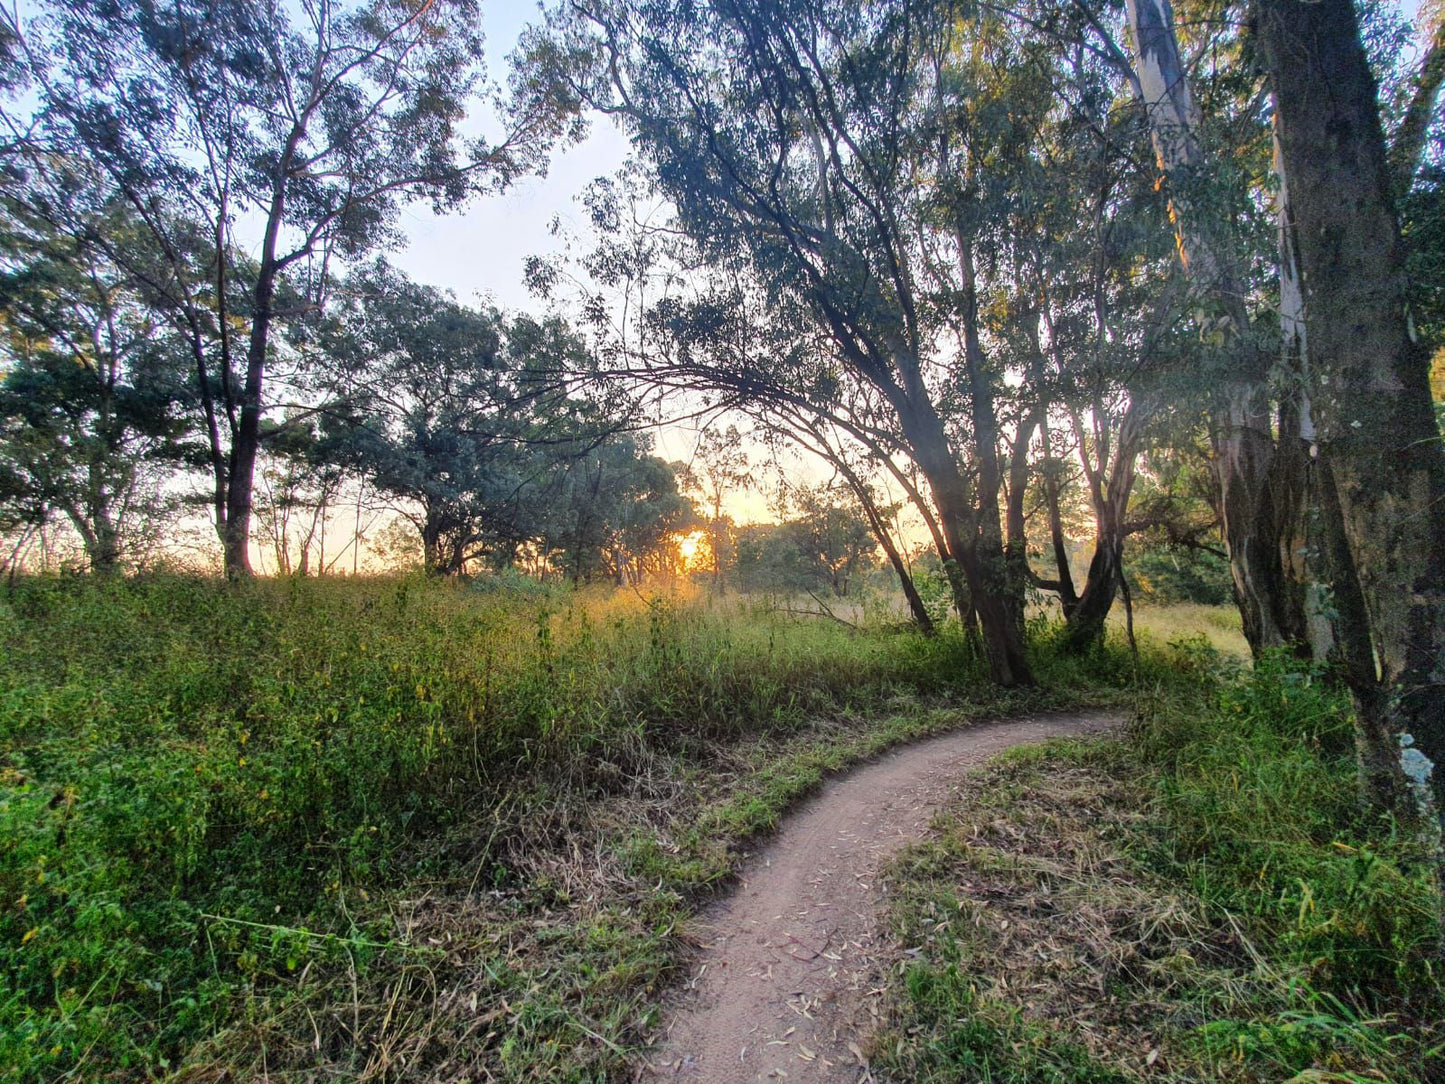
{"x":479,"y":254}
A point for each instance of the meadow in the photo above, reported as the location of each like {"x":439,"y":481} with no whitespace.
{"x":397,"y":828}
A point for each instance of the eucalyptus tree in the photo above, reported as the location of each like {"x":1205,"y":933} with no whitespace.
{"x":300,"y":485}
{"x":1204,"y":164}
{"x":435,"y":410}
{"x":855,"y":462}
{"x":796,"y":134}
{"x":1083,"y":303}
{"x":718,"y":469}
{"x":1384,"y":469}
{"x":611,"y":509}
{"x":94,"y":401}
{"x":297,"y":133}
{"x":835,"y":540}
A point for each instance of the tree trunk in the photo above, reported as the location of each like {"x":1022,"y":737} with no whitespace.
{"x":432,"y":559}
{"x":885,"y":539}
{"x":1085,"y":625}
{"x":1006,"y":578}
{"x":1110,"y":495}
{"x":1016,"y":548}
{"x":1243,"y":444}
{"x":979,"y":554}
{"x":246,"y":440}
{"x":1068,"y":594}
{"x":1369,"y":382}
{"x":1293,"y":475}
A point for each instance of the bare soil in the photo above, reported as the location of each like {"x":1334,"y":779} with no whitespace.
{"x":785,"y":986}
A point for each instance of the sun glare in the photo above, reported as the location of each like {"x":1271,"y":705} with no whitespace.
{"x":693,"y":549}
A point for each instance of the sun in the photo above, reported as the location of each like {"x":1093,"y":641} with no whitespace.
{"x":694,"y":550}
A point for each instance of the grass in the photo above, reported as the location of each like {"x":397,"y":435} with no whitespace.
{"x":1204,"y":901}
{"x":392,"y":829}
{"x":1219,"y":625}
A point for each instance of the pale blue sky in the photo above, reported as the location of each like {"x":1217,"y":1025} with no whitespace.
{"x":480,"y":252}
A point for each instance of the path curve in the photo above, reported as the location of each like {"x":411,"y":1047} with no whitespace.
{"x":779,"y":991}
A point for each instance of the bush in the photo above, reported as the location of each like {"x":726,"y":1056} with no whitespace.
{"x":1161,"y":575}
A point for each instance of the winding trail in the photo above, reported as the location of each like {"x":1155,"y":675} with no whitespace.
{"x":780,"y":990}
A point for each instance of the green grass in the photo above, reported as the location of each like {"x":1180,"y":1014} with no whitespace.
{"x":393,"y":829}
{"x":1216,"y":903}
{"x":293,"y":827}
{"x":1219,"y":625}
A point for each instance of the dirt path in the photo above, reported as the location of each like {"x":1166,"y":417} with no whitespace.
{"x":780,"y":990}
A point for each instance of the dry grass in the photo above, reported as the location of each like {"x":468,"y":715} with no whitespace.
{"x":541,"y":949}
{"x":1037,"y":944}
{"x":1218,"y":624}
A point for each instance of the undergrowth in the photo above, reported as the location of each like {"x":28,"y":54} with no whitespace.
{"x":394,"y":829}
{"x":1205,"y":900}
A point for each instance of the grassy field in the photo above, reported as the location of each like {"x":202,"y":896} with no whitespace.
{"x":1219,"y":625}
{"x":392,"y":829}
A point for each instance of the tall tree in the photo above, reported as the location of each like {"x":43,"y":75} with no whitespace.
{"x":247,"y":126}
{"x":1257,"y":488}
{"x":431,"y":412}
{"x":719,"y":468}
{"x":789,"y":133}
{"x":1369,"y":381}
{"x":94,"y":403}
{"x":613,"y":509}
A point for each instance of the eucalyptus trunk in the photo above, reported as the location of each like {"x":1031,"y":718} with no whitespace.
{"x":1241,"y":429}
{"x":1084,"y":626}
{"x":1110,"y":484}
{"x":1310,"y":575}
{"x":1369,"y":381}
{"x":979,"y":553}
{"x":921,"y":617}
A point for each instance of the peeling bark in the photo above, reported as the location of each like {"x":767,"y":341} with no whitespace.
{"x":1369,"y":382}
{"x":1241,"y":431}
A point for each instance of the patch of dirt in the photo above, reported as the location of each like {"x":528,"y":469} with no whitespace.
{"x":781,"y":989}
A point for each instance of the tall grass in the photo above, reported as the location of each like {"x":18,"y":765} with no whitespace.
{"x":195,"y":777}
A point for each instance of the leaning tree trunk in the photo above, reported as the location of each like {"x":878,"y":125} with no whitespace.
{"x":1369,"y":382}
{"x":979,"y":554}
{"x":1085,"y":624}
{"x":921,"y":617}
{"x":1240,"y":433}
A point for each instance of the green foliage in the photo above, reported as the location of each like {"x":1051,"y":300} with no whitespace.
{"x":194,"y":778}
{"x":1262,"y":819}
{"x":824,"y":549}
{"x":93,"y":398}
{"x":1162,"y":575}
